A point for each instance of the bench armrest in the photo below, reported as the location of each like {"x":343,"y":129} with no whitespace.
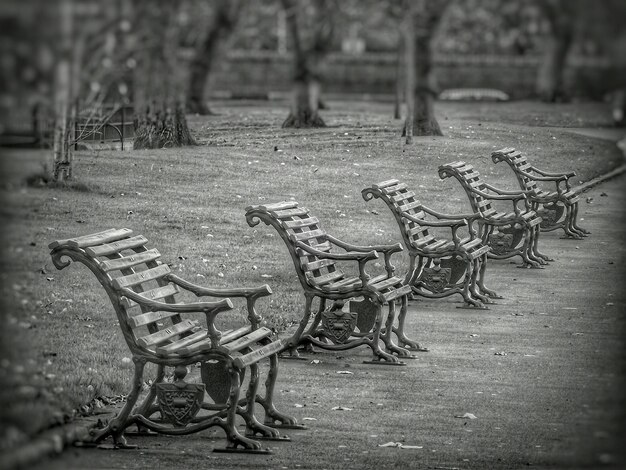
{"x":386,"y":250}
{"x":250,"y":294}
{"x":364,"y":248}
{"x":210,"y":309}
{"x":200,"y":291}
{"x":348,"y":256}
{"x":470,"y":218}
{"x":567,"y":175}
{"x":557,"y":178}
{"x":518,"y":194}
{"x":499,"y":197}
{"x":453,"y":224}
{"x":436,"y":223}
{"x":154,"y":305}
{"x":361,"y":257}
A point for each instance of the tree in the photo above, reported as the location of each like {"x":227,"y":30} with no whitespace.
{"x":560,"y":15}
{"x":308,"y":51}
{"x":159,"y":115}
{"x":220,"y":25}
{"x":421,"y":21}
{"x":64,"y":92}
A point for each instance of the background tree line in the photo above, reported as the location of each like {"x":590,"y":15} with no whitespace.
{"x":157,"y":55}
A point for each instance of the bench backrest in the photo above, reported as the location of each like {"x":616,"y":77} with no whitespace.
{"x":401,"y":201}
{"x":118,"y":259}
{"x":518,"y":164}
{"x":470,"y":180}
{"x":294,"y":224}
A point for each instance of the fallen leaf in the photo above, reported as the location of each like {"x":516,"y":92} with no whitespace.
{"x":309,"y":419}
{"x":345,"y":372}
{"x":399,"y":445}
{"x":467,"y":415}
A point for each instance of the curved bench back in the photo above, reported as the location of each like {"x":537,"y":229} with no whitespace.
{"x":401,"y":201}
{"x":294,"y":224}
{"x":519,"y":164}
{"x":120,"y":260}
{"x":470,"y":180}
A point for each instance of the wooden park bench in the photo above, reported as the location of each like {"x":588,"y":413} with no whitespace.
{"x":438,"y":267}
{"x":507,"y":233}
{"x":557,"y":209}
{"x":162,"y":330}
{"x":318,"y":269}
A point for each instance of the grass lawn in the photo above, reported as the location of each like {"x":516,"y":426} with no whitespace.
{"x":61,"y":347}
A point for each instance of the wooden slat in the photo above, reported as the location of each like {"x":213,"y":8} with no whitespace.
{"x":387,"y":283}
{"x":347,"y":282}
{"x":472,"y":244}
{"x":199,"y":341}
{"x":205,"y":343}
{"x":478,"y":184}
{"x":396,"y":293}
{"x":138,"y":278}
{"x":438,"y":245}
{"x":296,"y":212}
{"x":299,"y":223}
{"x":397,"y":186}
{"x":147,"y":318}
{"x":385,"y":184}
{"x":93,"y":239}
{"x":324,"y":278}
{"x":277,"y":206}
{"x":302,"y":236}
{"x":424,"y":240}
{"x":409,"y":206}
{"x":324,"y":246}
{"x":165,"y":334}
{"x":398,"y":198}
{"x":175,"y":346}
{"x":418,"y":230}
{"x":116,"y":247}
{"x":314,"y":265}
{"x":247,"y":340}
{"x":481,"y":251}
{"x":130,"y":261}
{"x":234,"y":334}
{"x":255,"y":356}
{"x":152,"y":294}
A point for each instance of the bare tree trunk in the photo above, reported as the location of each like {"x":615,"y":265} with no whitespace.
{"x":550,"y":74}
{"x":426,"y":16}
{"x":399,"y":82}
{"x":158,"y":99}
{"x":62,"y":151}
{"x":225,"y":16}
{"x":306,"y":82}
{"x":409,"y":59}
